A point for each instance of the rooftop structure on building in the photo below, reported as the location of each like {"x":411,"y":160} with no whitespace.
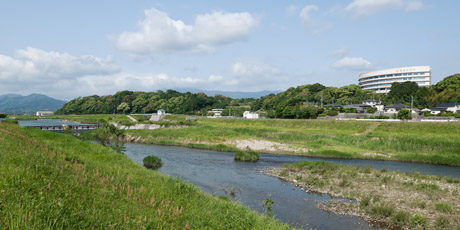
{"x":380,"y":80}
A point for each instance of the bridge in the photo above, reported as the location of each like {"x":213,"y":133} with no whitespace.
{"x":75,"y":127}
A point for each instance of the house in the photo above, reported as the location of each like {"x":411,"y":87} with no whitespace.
{"x":216,"y":112}
{"x":161,"y":112}
{"x":250,"y":115}
{"x":309,"y":104}
{"x":371,"y":102}
{"x":437,"y":111}
{"x":44,"y":113}
{"x":395,"y":108}
{"x":333,"y":105}
{"x":450,"y":107}
{"x":358,"y":108}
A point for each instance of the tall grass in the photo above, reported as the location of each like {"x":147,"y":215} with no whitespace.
{"x":55,"y":181}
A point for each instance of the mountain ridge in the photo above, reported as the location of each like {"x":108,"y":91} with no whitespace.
{"x":231,"y":94}
{"x":27,"y":104}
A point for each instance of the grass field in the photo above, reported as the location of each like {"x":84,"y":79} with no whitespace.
{"x":56,"y":181}
{"x":435,"y":143}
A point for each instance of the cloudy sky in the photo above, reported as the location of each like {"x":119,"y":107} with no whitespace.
{"x":67,"y":49}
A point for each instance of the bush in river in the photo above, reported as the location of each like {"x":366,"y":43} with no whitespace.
{"x":152,"y":162}
{"x":246,"y":156}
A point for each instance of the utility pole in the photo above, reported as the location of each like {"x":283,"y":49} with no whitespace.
{"x":411,"y":103}
{"x":321,"y":101}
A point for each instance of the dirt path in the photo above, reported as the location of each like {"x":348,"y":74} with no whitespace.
{"x":132,"y":118}
{"x":371,"y":128}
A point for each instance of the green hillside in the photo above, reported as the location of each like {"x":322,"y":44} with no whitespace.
{"x":34,"y":102}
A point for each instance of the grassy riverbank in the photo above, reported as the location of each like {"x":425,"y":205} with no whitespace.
{"x":55,"y":181}
{"x":434,"y":143}
{"x":406,"y":200}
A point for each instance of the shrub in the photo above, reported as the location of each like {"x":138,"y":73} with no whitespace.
{"x":382,"y":211}
{"x":332,"y":113}
{"x":442,"y":222}
{"x":246,"y":156}
{"x":443,"y":207}
{"x":365,"y":202}
{"x":284,"y":173}
{"x":3,"y":115}
{"x":457,"y":114}
{"x":404,"y":114}
{"x":400,"y":218}
{"x":427,"y":187}
{"x":152,"y":162}
{"x":418,"y":220}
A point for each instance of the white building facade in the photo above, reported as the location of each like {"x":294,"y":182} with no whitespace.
{"x":44,"y":113}
{"x":249,"y":115}
{"x":380,"y":81}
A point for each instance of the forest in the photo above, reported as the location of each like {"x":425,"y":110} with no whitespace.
{"x":296,"y":102}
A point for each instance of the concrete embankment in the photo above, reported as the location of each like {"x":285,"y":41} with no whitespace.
{"x":146,"y":126}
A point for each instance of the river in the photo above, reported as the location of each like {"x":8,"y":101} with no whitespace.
{"x":217,"y":173}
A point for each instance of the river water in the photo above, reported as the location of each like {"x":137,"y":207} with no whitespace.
{"x":217,"y":173}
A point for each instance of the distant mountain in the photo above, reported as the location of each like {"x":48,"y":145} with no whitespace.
{"x":231,"y":94}
{"x":27,"y":104}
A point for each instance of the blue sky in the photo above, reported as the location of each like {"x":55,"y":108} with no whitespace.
{"x":68,"y":49}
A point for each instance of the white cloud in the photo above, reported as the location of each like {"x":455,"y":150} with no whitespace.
{"x":414,"y":6}
{"x":305,"y":16}
{"x":215,"y":78}
{"x":36,"y":65}
{"x":253,"y":68}
{"x":352,"y":63}
{"x":340,"y":53}
{"x":361,"y":8}
{"x":291,"y":9}
{"x":158,"y":32}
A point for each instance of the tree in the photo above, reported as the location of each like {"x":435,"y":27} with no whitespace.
{"x":404,"y":114}
{"x":402,"y":92}
{"x":124,"y":107}
{"x":3,"y":115}
{"x":111,"y":136}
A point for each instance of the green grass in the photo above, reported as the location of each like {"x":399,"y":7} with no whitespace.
{"x":55,"y":181}
{"x":434,"y":143}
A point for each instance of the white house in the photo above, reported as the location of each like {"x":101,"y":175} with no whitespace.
{"x":249,"y":115}
{"x":395,"y":108}
{"x":44,"y":113}
{"x":216,"y":112}
{"x":161,"y":112}
{"x":449,"y":107}
{"x":371,"y":102}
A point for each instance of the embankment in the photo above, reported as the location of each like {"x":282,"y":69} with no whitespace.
{"x":56,"y":181}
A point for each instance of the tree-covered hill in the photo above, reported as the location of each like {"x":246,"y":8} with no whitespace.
{"x":140,"y":102}
{"x":296,"y":102}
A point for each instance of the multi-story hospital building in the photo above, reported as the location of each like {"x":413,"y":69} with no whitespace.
{"x":381,"y":80}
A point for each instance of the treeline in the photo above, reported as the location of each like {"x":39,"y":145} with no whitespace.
{"x":148,"y":102}
{"x":296,"y":102}
{"x":305,"y":101}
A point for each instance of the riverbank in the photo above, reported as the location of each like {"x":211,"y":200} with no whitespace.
{"x":432,"y":143}
{"x":56,"y":181}
{"x":405,"y":200}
